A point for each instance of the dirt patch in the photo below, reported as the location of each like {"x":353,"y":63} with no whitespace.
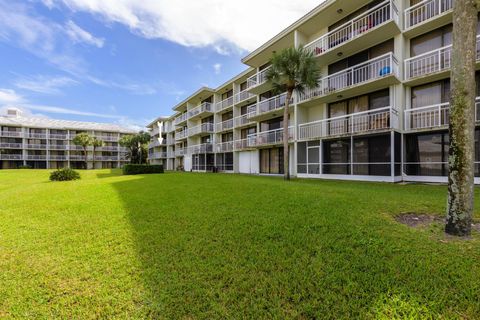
{"x":417,"y":220}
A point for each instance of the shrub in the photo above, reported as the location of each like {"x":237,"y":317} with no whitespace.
{"x":130,"y":169}
{"x":65,"y":174}
{"x":24,"y":167}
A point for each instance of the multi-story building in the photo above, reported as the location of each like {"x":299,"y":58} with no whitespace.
{"x":379,"y":113}
{"x":44,"y":143}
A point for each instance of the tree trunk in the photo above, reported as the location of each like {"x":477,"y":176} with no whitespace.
{"x":286,"y":153}
{"x":462,"y":120}
{"x":93,"y":158}
{"x":85,"y":154}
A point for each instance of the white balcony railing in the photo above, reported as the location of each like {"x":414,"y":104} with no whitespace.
{"x":12,"y":134}
{"x":433,"y":116}
{"x":355,"y":28}
{"x":431,"y":62}
{"x":107,"y":138}
{"x":56,"y":136}
{"x":181,"y":118}
{"x":426,"y":10}
{"x":179,"y":152}
{"x":272,"y":104}
{"x":201,"y":148}
{"x":224,"y":125}
{"x":105,"y":158}
{"x":36,"y":146}
{"x":242,"y":120}
{"x":270,"y":137}
{"x":224,"y":147}
{"x":158,"y":155}
{"x":204,"y":107}
{"x":258,"y":78}
{"x":359,"y":74}
{"x":179,"y":135}
{"x":57,"y":157}
{"x":37,"y":157}
{"x":11,"y":156}
{"x":77,"y":157}
{"x":242,"y":96}
{"x":224,"y":104}
{"x":58,"y":147}
{"x":11,"y":145}
{"x":360,"y":122}
{"x":202,"y":128}
{"x":37,"y":135}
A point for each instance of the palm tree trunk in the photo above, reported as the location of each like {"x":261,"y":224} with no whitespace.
{"x":93,"y":158}
{"x":462,"y":123}
{"x":286,"y":153}
{"x":86,"y":156}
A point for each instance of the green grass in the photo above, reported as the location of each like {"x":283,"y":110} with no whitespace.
{"x":206,"y":246}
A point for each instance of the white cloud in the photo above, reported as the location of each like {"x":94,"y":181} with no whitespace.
{"x":78,"y":35}
{"x":44,"y":84}
{"x":224,"y":24}
{"x":217,"y":67}
{"x":8,"y":97}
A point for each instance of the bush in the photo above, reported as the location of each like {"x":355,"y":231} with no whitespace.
{"x":65,"y":174}
{"x":130,"y":169}
{"x":24,"y":167}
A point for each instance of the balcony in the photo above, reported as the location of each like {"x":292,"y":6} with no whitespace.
{"x":105,"y":158}
{"x":110,"y":148}
{"x":179,"y":152}
{"x":76,"y":157}
{"x":243,"y":120}
{"x":244,"y":144}
{"x":12,"y":134}
{"x":56,"y":136}
{"x":181,"y":135}
{"x":201,"y":148}
{"x":435,"y":63}
{"x":357,"y":34}
{"x":79,"y":148}
{"x":107,"y":138}
{"x":427,"y":15}
{"x":266,"y":138}
{"x":57,"y":158}
{"x":381,"y":119}
{"x":269,"y":108}
{"x":202,"y":129}
{"x":58,"y":147}
{"x":154,"y":143}
{"x":258,"y":82}
{"x":224,"y":125}
{"x":11,"y":156}
{"x":36,"y":146}
{"x":42,"y":157}
{"x":36,"y":135}
{"x":244,"y":97}
{"x":224,"y":147}
{"x":155,"y":131}
{"x":370,"y":75}
{"x":202,"y":110}
{"x":11,"y":145}
{"x":158,"y":155}
{"x":181,"y":119}
{"x":433,"y":117}
{"x":224,"y":104}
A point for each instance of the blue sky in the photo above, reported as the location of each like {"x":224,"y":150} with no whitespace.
{"x":126,"y":61}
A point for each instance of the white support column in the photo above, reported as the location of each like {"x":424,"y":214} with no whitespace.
{"x":351,"y":155}
{"x":392,"y":155}
{"x":47,"y":136}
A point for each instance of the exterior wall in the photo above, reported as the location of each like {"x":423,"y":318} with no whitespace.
{"x":309,"y":116}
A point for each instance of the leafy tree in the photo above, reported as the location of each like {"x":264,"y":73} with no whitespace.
{"x":96,"y":143}
{"x":84,"y":140}
{"x":292,"y":70}
{"x":137,"y":146}
{"x":462,"y":123}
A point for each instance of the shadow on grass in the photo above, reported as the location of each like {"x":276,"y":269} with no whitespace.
{"x":219,"y":246}
{"x":109,"y":174}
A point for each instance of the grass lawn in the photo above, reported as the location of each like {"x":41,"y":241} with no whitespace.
{"x":213,"y":246}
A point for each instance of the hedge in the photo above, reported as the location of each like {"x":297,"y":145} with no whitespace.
{"x":65,"y":174}
{"x":130,"y":169}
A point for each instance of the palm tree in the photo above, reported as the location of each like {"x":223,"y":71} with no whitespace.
{"x":96,"y":143}
{"x":292,"y":70}
{"x":84,"y":140}
{"x":462,"y":123}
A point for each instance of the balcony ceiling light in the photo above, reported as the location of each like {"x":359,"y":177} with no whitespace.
{"x":340,"y":54}
{"x":339,"y":96}
{"x":340,"y":11}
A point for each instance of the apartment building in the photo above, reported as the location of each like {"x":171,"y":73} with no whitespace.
{"x":44,"y":143}
{"x":379,"y":113}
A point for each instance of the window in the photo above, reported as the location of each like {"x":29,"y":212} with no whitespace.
{"x":336,"y":155}
{"x":371,"y":156}
{"x":427,"y":154}
{"x":271,"y":161}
